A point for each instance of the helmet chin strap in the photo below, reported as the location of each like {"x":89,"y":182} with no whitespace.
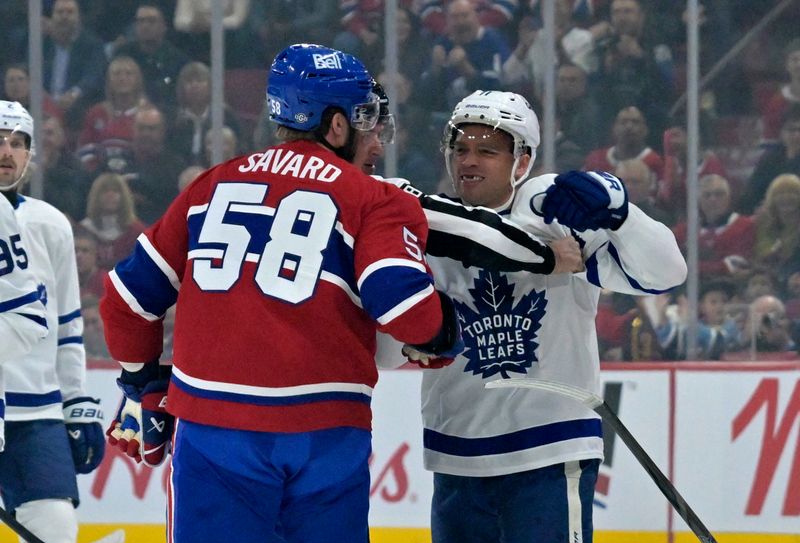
{"x":13,"y":186}
{"x":345,"y":152}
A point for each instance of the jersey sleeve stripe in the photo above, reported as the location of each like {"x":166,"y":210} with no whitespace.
{"x":194,"y":210}
{"x":404,"y":306}
{"x":388,"y":262}
{"x":15,"y":303}
{"x":27,"y":399}
{"x":269,"y":392}
{"x":515,"y":441}
{"x":632,"y":281}
{"x":348,"y":239}
{"x":128,"y":298}
{"x":41,"y":321}
{"x":64,"y":319}
{"x":70,"y":339}
{"x":159,"y":261}
{"x":146,"y":282}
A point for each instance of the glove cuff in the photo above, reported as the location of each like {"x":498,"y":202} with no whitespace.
{"x":82,"y":410}
{"x":447,"y":343}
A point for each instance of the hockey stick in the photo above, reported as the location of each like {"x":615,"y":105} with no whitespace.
{"x":599,"y":406}
{"x":9,"y":520}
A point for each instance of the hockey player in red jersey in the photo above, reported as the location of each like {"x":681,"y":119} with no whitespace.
{"x":277,"y":261}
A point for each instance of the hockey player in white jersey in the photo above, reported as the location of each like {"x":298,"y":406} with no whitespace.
{"x":22,"y":318}
{"x":520,"y":465}
{"x":53,"y":430}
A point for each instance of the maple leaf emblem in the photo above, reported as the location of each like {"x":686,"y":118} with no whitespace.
{"x":500,"y":335}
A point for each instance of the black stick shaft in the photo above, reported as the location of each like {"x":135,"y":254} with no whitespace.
{"x":18,"y":528}
{"x":664,"y":484}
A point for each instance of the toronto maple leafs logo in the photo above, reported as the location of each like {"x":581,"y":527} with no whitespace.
{"x":500,"y":335}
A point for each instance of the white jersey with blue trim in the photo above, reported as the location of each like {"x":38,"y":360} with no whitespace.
{"x":54,"y":369}
{"x":539,"y":326}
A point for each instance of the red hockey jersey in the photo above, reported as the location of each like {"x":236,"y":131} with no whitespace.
{"x":282,"y":263}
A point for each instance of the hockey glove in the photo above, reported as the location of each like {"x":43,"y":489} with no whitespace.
{"x":142,"y":428}
{"x":586,"y":201}
{"x":84,"y":420}
{"x":442,"y":349}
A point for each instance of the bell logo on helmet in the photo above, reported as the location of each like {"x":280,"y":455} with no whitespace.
{"x":330,"y":61}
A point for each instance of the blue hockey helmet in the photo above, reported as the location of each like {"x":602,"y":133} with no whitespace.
{"x":305,"y":79}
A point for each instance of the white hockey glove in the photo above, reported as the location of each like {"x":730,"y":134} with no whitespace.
{"x":84,"y":420}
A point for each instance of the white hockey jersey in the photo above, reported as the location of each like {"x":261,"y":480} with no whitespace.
{"x":54,"y":369}
{"x":22,"y":311}
{"x":521,"y":324}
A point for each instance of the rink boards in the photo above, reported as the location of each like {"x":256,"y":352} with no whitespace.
{"x":727,"y":434}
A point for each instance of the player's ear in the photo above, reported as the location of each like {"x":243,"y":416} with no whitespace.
{"x":338,"y":130}
{"x":522,"y":165}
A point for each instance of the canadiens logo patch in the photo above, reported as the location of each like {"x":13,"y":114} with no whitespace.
{"x":500,"y":334}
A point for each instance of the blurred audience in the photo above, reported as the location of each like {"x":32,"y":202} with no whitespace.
{"x":110,"y":122}
{"x":111,"y":216}
{"x":159,"y":59}
{"x":778,"y":226}
{"x":90,"y":275}
{"x":726,"y":239}
{"x":65,"y":183}
{"x":189,"y":174}
{"x":577,"y":110}
{"x":193,"y":118}
{"x":786,"y":96}
{"x":784,"y":158}
{"x":153,"y":171}
{"x":94,"y":340}
{"x":17,"y":88}
{"x":629,"y":134}
{"x":73,"y":59}
{"x":640,"y":182}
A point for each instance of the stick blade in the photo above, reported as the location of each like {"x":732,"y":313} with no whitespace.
{"x":583,"y":396}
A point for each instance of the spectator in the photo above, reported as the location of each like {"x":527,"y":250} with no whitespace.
{"x":640,"y":182}
{"x":110,"y":122}
{"x":672,"y":183}
{"x":760,"y":282}
{"x":278,"y":22}
{"x":73,"y":59}
{"x":496,"y":14}
{"x":574,"y":45}
{"x":717,"y":332}
{"x":230,"y":146}
{"x":785,"y":158}
{"x":632,"y":70}
{"x":792,"y":295}
{"x":65,"y":184}
{"x":153,"y":172}
{"x":468,"y":58}
{"x":159,"y":59}
{"x":90,"y":276}
{"x":726,"y":239}
{"x":629,"y":135}
{"x":193,"y":118}
{"x":786,"y":96}
{"x":579,"y":115}
{"x":17,"y":88}
{"x":193,"y":25}
{"x":111,"y":216}
{"x":778,"y":226}
{"x":769,"y":327}
{"x":188,"y":175}
{"x":93,"y":338}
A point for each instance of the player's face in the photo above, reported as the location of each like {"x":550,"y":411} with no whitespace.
{"x":369,"y":150}
{"x":481,"y":164}
{"x":13,"y":156}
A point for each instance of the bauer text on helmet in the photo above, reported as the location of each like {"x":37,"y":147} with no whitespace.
{"x":306,"y":79}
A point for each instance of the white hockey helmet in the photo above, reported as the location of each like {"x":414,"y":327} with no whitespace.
{"x":14,"y":117}
{"x":506,"y":111}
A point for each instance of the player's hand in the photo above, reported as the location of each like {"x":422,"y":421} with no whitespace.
{"x":569,"y":258}
{"x":84,"y":420}
{"x":142,"y":428}
{"x":425,"y":360}
{"x":446,"y":345}
{"x":585,"y":201}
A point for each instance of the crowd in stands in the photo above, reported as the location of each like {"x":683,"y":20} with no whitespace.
{"x":127,"y":90}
